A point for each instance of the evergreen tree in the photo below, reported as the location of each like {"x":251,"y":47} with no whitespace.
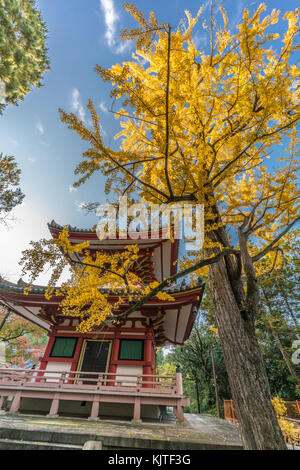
{"x":23,"y":52}
{"x":10,"y":194}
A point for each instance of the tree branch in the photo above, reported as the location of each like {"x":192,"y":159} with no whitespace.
{"x":262,"y":253}
{"x":174,"y":278}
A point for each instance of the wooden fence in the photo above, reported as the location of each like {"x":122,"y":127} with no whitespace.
{"x":293,"y":415}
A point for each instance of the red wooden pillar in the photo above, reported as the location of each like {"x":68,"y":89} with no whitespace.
{"x":43,"y":361}
{"x":148,"y":358}
{"x":114,"y":359}
{"x":75,"y":361}
{"x":76,"y":354}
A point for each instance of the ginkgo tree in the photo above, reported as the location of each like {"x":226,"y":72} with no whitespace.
{"x":205,"y":127}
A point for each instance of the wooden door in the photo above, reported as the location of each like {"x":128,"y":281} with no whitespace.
{"x":95,"y":357}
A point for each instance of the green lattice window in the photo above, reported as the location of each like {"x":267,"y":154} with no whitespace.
{"x":64,"y":347}
{"x":131,"y":350}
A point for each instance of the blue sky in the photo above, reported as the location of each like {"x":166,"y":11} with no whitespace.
{"x":81,"y":34}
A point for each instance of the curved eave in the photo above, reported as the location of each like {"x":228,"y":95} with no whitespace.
{"x":38,"y":298}
{"x":149,"y":242}
{"x":30,"y":312}
{"x":180,"y":313}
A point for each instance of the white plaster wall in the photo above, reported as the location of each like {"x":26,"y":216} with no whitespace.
{"x":130,"y":370}
{"x":59,"y":367}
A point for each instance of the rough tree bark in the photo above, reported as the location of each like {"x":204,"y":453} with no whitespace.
{"x":246,"y":372}
{"x":235,"y":312}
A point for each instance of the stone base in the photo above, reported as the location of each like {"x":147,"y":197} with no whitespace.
{"x":93,"y":445}
{"x":201,"y":432}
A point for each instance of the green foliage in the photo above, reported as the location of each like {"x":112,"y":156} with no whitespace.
{"x":281,"y":285}
{"x":279,"y":316}
{"x":23,"y":340}
{"x":278,"y":322}
{"x":23,"y":52}
{"x":10,"y":194}
{"x":281,"y":382}
{"x":196,"y":364}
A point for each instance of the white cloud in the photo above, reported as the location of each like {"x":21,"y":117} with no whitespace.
{"x":80,"y":205}
{"x":103,"y":131}
{"x":14,"y":142}
{"x":31,"y":160}
{"x":40,"y":128}
{"x":77,"y":105}
{"x":29,"y":222}
{"x":111,"y":19}
{"x":103,"y":107}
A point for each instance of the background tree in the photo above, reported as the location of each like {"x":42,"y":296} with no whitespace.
{"x":24,"y":341}
{"x":10,"y":193}
{"x":195,"y":360}
{"x":200,"y":126}
{"x":279,"y":286}
{"x":23,"y":61}
{"x":23,"y":51}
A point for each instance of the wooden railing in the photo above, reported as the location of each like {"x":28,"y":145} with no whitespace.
{"x":92,"y":386}
{"x":293,"y":410}
{"x":229,"y":411}
{"x":293,"y":416}
{"x":88,"y":380}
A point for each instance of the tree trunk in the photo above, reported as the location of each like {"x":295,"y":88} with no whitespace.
{"x":246,"y":372}
{"x":212,"y":353}
{"x":197,"y":393}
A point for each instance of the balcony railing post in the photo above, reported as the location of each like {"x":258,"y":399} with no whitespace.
{"x":139,"y":383}
{"x":62,"y":379}
{"x":100,"y":381}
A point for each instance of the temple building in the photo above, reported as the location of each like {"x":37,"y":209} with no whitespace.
{"x":110,"y":371}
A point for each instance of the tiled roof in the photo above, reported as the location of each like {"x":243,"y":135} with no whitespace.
{"x":56,"y":226}
{"x":21,"y":285}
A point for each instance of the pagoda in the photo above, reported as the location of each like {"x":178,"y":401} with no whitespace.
{"x":113,"y":367}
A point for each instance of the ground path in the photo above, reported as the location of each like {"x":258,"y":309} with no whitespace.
{"x":197,"y":432}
